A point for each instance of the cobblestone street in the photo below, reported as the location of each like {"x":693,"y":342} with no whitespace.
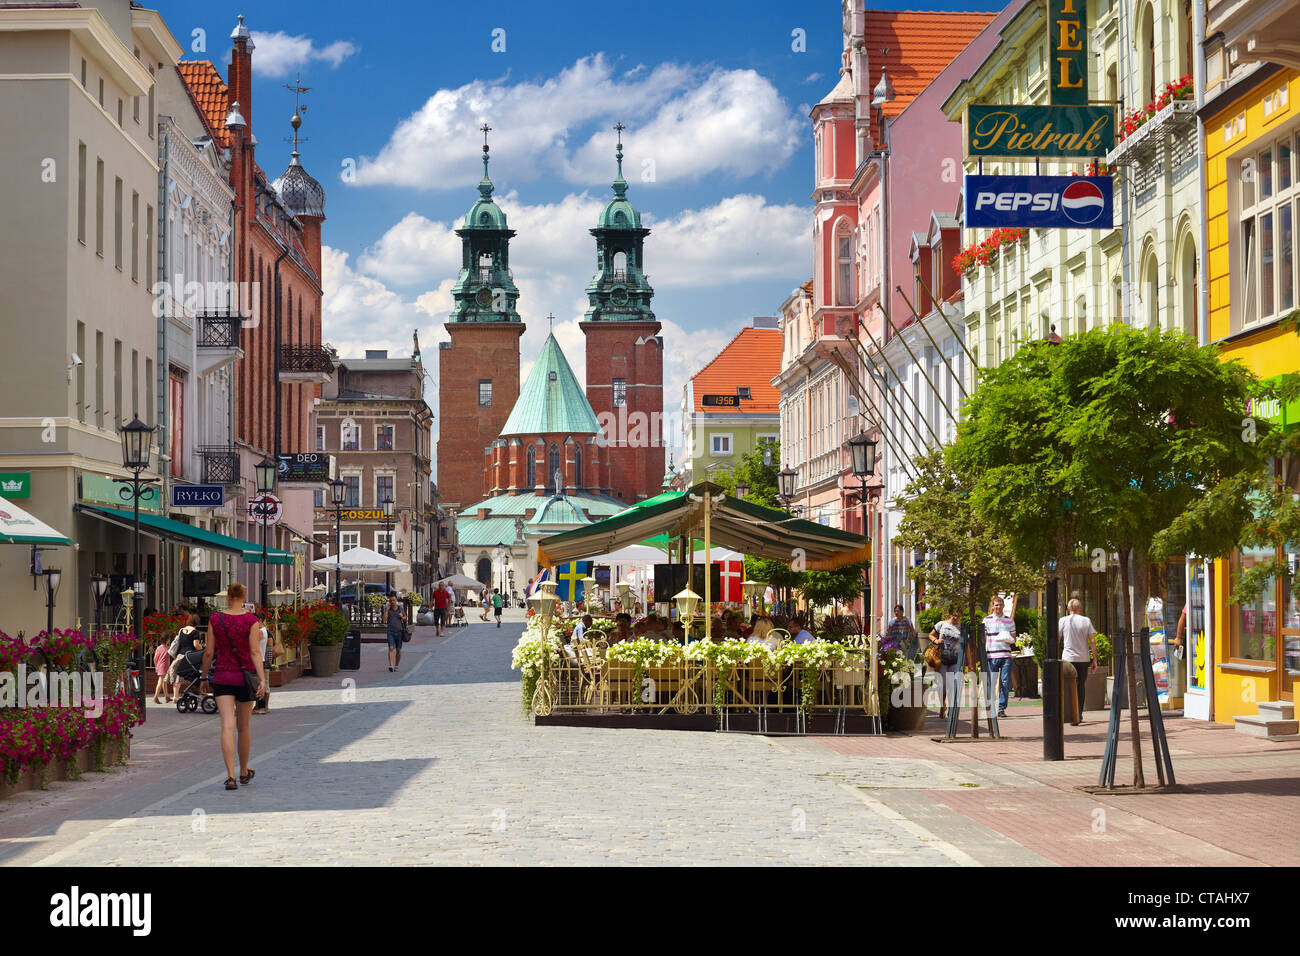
{"x":436,"y":764}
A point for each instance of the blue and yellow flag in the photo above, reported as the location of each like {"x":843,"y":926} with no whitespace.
{"x":569,"y":578}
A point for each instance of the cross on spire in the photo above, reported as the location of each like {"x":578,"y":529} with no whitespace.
{"x":485,"y":185}
{"x":550,"y":321}
{"x":618,"y":154}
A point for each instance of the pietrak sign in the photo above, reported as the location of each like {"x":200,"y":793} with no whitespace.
{"x":1029,"y":132}
{"x":1040,"y":202}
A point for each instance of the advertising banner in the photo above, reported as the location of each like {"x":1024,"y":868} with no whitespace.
{"x":305,"y":466}
{"x":1040,"y":202}
{"x":1047,"y":132}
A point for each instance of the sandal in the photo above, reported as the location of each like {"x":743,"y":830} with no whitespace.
{"x":230,"y":784}
{"x":246,"y":778}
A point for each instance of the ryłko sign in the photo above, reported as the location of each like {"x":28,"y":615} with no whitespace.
{"x":1026,"y":132}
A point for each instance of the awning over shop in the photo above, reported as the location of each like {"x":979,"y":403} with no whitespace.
{"x":199,"y":537}
{"x":736,"y":524}
{"x":19,"y":527}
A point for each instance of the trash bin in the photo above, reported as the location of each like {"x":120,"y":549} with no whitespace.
{"x":350,"y":656}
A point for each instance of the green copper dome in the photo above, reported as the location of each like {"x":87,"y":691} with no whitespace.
{"x":618,"y":212}
{"x":485,"y":214}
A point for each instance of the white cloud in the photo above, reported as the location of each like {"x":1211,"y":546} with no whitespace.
{"x":688,"y":121}
{"x":812,"y":77}
{"x":278,"y":54}
{"x":415,"y":250}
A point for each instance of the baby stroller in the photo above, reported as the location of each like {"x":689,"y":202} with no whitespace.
{"x":188,"y":700}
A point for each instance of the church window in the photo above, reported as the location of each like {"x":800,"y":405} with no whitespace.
{"x":577,"y":466}
{"x":620,"y":392}
{"x":531,"y":468}
{"x":553,"y":463}
{"x":484,"y":267}
{"x":485,"y":392}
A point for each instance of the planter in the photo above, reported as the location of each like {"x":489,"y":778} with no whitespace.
{"x":56,"y":770}
{"x":1095,"y":691}
{"x":907,"y":719}
{"x":325,"y":659}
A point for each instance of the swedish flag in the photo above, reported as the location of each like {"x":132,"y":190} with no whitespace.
{"x":569,"y":578}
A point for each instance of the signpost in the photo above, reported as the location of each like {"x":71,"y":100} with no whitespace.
{"x":1066,"y":29}
{"x":265,"y":509}
{"x":1040,"y":202}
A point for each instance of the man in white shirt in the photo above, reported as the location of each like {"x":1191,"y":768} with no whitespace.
{"x":1079,"y":647}
{"x":802,"y":636}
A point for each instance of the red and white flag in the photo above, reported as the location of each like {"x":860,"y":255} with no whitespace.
{"x":730,"y":574}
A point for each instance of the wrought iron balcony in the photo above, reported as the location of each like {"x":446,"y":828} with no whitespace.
{"x":1174,"y":120}
{"x":306,"y":363}
{"x":218,"y":330}
{"x":220,"y":464}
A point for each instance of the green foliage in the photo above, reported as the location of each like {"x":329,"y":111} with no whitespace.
{"x":841,"y":586}
{"x":970,"y":557}
{"x":1103,"y":650}
{"x":760,"y":477}
{"x":328,"y":627}
{"x":927,"y":620}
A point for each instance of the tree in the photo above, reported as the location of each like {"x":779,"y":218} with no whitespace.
{"x":969,"y":558}
{"x":758,"y":469}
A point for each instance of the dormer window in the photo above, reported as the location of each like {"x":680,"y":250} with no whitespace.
{"x":743,"y":392}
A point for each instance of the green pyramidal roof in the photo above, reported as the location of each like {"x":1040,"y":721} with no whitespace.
{"x":551,"y":400}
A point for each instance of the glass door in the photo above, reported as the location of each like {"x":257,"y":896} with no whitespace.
{"x":1289,"y":645}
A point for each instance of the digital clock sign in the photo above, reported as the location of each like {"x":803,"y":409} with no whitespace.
{"x":720,"y":401}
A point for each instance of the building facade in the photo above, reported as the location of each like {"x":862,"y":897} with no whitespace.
{"x":374,"y":421}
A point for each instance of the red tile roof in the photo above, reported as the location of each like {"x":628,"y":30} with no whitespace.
{"x":208,"y":91}
{"x":753,"y":359}
{"x":920,"y":44}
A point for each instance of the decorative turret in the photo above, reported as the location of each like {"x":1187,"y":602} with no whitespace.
{"x":485,"y":290}
{"x":619,"y":291}
{"x":298,"y":191}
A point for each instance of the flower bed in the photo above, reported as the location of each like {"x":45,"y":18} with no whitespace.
{"x":985,"y":252}
{"x":32,"y":738}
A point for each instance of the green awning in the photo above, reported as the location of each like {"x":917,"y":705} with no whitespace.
{"x":180,"y":531}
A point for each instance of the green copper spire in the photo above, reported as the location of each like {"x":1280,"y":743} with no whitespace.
{"x":485,"y":184}
{"x":619,"y":291}
{"x":551,"y":401}
{"x":485,"y":291}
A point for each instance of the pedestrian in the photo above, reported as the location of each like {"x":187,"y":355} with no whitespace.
{"x":947,"y":636}
{"x":999,"y":645}
{"x":496,"y":604}
{"x":484,"y":615}
{"x":1079,"y":647}
{"x":441,"y":599}
{"x":580,"y":628}
{"x":187,"y":639}
{"x":238,"y":679}
{"x":902,"y":634}
{"x":162,"y":662}
{"x":263,"y":703}
{"x":396,"y":627}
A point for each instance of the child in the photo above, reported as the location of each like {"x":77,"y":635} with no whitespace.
{"x":162,"y":662}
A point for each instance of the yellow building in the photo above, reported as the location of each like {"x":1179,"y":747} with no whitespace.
{"x":1252,"y":145}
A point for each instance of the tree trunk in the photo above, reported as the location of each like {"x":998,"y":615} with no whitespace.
{"x":1130,"y":647}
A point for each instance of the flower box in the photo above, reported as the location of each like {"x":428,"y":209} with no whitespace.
{"x":56,"y":770}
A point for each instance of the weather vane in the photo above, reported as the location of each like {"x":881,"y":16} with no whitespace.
{"x":297,"y":89}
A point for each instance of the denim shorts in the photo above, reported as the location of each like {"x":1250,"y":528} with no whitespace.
{"x":395,"y":639}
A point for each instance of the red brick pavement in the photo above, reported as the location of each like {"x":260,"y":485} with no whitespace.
{"x":1241,"y":808}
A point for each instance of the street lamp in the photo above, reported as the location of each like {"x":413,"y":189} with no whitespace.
{"x":98,"y":585}
{"x":136,"y":441}
{"x":338,"y":490}
{"x":265,"y":472}
{"x":687,"y":601}
{"x":785,"y":482}
{"x":51,"y":586}
{"x":742,"y":488}
{"x":387,"y":505}
{"x":862,"y":462}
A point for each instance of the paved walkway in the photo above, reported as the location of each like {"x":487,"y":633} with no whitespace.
{"x":436,"y":764}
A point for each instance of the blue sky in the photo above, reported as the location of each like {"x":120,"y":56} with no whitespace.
{"x":718,"y":150}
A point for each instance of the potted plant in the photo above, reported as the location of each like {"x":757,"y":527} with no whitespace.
{"x":328,"y":629}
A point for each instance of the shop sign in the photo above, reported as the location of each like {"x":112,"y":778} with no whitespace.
{"x":1286,"y":415}
{"x":100,"y":490}
{"x":1067,"y":30}
{"x":306,"y":466}
{"x":1028,"y":132}
{"x":1040,"y":202}
{"x":15,"y":484}
{"x":198,"y":496}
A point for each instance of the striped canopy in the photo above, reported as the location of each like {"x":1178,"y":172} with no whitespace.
{"x":740,"y":525}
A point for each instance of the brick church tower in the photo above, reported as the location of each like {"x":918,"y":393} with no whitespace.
{"x":625,"y":366}
{"x":479,"y":368}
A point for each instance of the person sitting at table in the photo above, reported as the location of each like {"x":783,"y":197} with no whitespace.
{"x":622,"y":629}
{"x":761,"y":632}
{"x":679,"y":632}
{"x":801,"y":633}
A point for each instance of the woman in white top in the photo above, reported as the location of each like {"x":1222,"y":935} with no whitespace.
{"x":263,"y":704}
{"x":947,"y":636}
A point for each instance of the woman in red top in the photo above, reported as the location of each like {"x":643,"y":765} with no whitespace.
{"x":234,"y":637}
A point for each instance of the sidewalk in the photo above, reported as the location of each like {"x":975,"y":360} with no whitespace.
{"x":1240,"y":802}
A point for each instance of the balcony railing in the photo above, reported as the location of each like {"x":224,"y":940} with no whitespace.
{"x":1174,"y":119}
{"x":306,"y":358}
{"x":220,"y":464}
{"x":218,"y":330}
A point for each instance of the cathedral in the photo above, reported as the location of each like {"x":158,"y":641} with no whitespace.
{"x":520,"y":463}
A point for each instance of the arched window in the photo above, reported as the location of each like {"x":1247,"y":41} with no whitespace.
{"x":1152,"y":292}
{"x":1189,"y":286}
{"x":530,"y":456}
{"x":577,"y":466}
{"x":483,"y":570}
{"x":553,"y":465}
{"x":1146,"y":38}
{"x":844,"y":267}
{"x":620,"y":265}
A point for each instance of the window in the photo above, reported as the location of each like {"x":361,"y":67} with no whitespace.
{"x":117,"y":380}
{"x":119,"y":112}
{"x":101,"y":91}
{"x":349,"y":540}
{"x":352,"y":496}
{"x":99,"y":379}
{"x":620,"y":392}
{"x":99,"y":207}
{"x":81,"y":372}
{"x":151,"y":89}
{"x":318,"y":498}
{"x":384,"y":542}
{"x":351,"y":437}
{"x":320,"y":437}
{"x":1266,"y":235}
{"x":1255,"y":622}
{"x":742,"y":391}
{"x":117,"y":224}
{"x":720,"y":444}
{"x":383,"y":438}
{"x":530,"y":467}
{"x":384,"y":488}
{"x":485,"y":392}
{"x":148,"y":392}
{"x":135,"y":236}
{"x":83,"y":74}
{"x":577,"y":466}
{"x":148,"y":247}
{"x":176,"y":425}
{"x":844,"y":272}
{"x":81,"y":193}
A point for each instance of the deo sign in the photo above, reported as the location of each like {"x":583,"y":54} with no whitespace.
{"x":1040,"y":202}
{"x":1067,"y":30}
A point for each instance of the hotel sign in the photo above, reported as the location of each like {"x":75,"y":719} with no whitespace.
{"x":1067,"y":26}
{"x":1028,"y":132}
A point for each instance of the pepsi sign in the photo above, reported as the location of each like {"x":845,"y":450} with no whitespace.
{"x":1040,"y":202}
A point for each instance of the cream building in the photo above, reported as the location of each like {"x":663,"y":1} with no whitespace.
{"x":77,"y":262}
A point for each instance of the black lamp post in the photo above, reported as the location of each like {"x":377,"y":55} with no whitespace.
{"x":52,"y":576}
{"x":338,"y":489}
{"x":98,"y":585}
{"x":387,"y":505}
{"x":265,"y":470}
{"x":862,"y":454}
{"x":136,"y":440}
{"x":785,"y":479}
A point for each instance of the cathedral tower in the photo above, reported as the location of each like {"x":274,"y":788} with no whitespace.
{"x":479,"y":368}
{"x":625,"y":369}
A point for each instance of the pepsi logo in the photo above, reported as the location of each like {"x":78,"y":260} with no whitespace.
{"x":1082,"y":202}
